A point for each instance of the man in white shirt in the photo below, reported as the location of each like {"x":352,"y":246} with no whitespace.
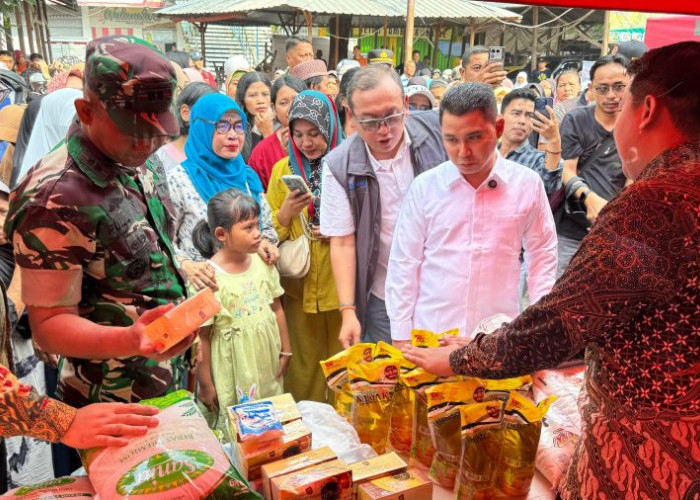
{"x":364,"y":182}
{"x":454,"y":259}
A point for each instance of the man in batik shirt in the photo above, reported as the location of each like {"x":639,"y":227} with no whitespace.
{"x":631,"y":297}
{"x":92,"y":236}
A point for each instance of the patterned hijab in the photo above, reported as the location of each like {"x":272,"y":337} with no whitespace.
{"x":209,"y":172}
{"x":316,"y":108}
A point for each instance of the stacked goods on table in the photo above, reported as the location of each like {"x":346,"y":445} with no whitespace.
{"x":476,"y":436}
{"x":63,"y":487}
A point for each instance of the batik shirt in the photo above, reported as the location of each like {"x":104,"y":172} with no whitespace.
{"x":631,"y":297}
{"x":106,"y":229}
{"x":26,"y":413}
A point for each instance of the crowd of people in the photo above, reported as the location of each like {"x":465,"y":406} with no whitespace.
{"x":325,"y":208}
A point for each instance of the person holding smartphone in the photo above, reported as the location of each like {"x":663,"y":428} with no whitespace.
{"x":476,"y":67}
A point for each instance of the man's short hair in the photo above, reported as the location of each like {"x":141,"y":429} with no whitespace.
{"x":568,"y":72}
{"x":438,"y":83}
{"x":609,"y":59}
{"x":6,"y":53}
{"x":34,"y":56}
{"x":521,"y":93}
{"x":669,"y":74}
{"x":468,"y":97}
{"x":292,"y":43}
{"x":356,"y":47}
{"x":416,"y":52}
{"x":370,"y":77}
{"x":476,"y":49}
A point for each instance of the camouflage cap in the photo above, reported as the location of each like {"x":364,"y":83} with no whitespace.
{"x":136,"y":84}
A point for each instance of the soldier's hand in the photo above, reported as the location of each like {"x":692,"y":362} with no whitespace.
{"x":146,"y":347}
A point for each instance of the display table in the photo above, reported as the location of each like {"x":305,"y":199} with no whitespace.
{"x":540,"y":490}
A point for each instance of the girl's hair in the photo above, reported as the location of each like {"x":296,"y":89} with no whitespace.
{"x":225,"y":209}
{"x":246,"y":81}
{"x":189,"y":96}
{"x":286,"y":80}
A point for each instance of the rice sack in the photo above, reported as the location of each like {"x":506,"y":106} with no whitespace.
{"x":64,"y":488}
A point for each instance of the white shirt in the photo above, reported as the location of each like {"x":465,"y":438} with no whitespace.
{"x":394,"y":177}
{"x":454,"y":259}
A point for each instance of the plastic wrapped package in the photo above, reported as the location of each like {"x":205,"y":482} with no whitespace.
{"x":426,"y":338}
{"x":562,"y":427}
{"x":64,"y":488}
{"x":490,"y":324}
{"x":257,"y":422}
{"x":330,"y":429}
{"x":481,"y":437}
{"x":335,"y":370}
{"x":180,"y":459}
{"x":373,"y":386}
{"x":522,"y":425}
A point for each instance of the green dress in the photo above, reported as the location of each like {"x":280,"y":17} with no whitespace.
{"x":245,"y":339}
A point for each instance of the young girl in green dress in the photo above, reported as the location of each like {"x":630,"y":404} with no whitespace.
{"x":246,"y":345}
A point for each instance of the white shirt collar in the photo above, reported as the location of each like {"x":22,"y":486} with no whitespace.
{"x":500,"y":173}
{"x":389,"y":163}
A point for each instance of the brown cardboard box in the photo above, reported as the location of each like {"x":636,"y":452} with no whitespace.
{"x":408,"y":485}
{"x":372,"y":468}
{"x":293,"y":464}
{"x":251,"y":456}
{"x":327,"y":480}
{"x":284,"y":405}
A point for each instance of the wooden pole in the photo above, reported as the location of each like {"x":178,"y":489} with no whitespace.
{"x":46,"y":26}
{"x":436,"y":40}
{"x":386,"y":32}
{"x":472,"y":34}
{"x":309,"y":26}
{"x":606,"y":34}
{"x":39,"y":27}
{"x":336,"y":52}
{"x":202,"y":40}
{"x":30,"y":29}
{"x":20,"y":31}
{"x":449,"y":50}
{"x":535,"y":22}
{"x":408,"y":35}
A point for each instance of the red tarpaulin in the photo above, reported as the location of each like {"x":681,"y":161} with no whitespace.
{"x":669,"y":6}
{"x":667,"y":30}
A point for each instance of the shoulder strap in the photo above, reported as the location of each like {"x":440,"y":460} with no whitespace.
{"x":599,"y":150}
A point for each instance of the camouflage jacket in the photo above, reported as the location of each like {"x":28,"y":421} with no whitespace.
{"x":107,"y":227}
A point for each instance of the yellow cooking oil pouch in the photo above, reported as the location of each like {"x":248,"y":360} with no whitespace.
{"x":426,"y":338}
{"x":335,"y":370}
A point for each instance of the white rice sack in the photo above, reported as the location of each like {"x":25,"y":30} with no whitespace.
{"x":64,"y":488}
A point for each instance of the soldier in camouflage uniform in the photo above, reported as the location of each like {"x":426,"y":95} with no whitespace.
{"x":92,"y":235}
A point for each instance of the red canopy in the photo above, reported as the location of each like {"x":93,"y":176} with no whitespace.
{"x":667,"y":6}
{"x":667,"y":30}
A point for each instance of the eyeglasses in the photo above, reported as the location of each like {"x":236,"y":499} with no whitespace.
{"x":419,"y":107}
{"x":374,"y":124}
{"x":224,"y":127}
{"x":618,"y":88}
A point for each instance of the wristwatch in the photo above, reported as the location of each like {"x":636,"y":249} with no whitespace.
{"x":585,"y":193}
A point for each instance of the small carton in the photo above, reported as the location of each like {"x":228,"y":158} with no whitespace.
{"x":293,"y":464}
{"x":257,"y":422}
{"x":284,"y":406}
{"x":327,"y":480}
{"x":372,"y":468}
{"x":251,"y":456}
{"x":183,"y":320}
{"x":407,"y":485}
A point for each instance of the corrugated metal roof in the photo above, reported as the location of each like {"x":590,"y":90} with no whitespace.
{"x":259,"y":10}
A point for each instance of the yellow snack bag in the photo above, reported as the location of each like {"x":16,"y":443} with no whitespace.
{"x":522,"y":424}
{"x":500,"y":389}
{"x":373,"y":386}
{"x":481,"y":436}
{"x":335,"y":368}
{"x":426,"y":338}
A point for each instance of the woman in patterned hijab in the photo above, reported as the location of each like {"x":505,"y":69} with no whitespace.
{"x":310,"y":303}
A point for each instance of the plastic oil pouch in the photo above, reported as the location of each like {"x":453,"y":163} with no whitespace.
{"x":335,"y":370}
{"x":373,"y":386}
{"x":522,"y":425}
{"x":426,"y":338}
{"x":481,"y":436}
{"x":180,"y":458}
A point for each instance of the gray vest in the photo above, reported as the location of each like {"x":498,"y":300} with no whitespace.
{"x":350,"y":165}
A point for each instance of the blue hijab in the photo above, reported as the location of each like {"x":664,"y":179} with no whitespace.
{"x":209,"y":172}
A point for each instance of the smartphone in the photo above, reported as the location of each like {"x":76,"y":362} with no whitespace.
{"x":295,"y":182}
{"x":541,"y":104}
{"x":497,"y":54}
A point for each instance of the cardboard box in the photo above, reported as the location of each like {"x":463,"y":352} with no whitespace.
{"x":327,"y":480}
{"x":251,"y":456}
{"x":285,"y":408}
{"x":293,"y":464}
{"x":408,"y":485}
{"x":372,"y":468}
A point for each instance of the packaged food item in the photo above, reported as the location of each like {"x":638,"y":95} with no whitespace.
{"x":372,"y":468}
{"x":481,"y":436}
{"x":180,"y":459}
{"x":522,"y":424}
{"x":372,"y":386}
{"x":327,"y":480}
{"x":426,"y":338}
{"x":257,"y":422}
{"x":251,"y":456}
{"x":292,"y":464}
{"x":335,"y":370}
{"x":284,"y":406}
{"x":183,"y":319}
{"x":63,"y":488}
{"x":408,"y":485}
{"x":342,"y":403}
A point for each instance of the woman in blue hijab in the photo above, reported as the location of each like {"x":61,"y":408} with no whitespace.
{"x":311,"y":302}
{"x":213,"y":164}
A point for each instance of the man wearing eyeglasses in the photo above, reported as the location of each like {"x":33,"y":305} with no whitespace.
{"x":92,"y":236}
{"x":365,"y":180}
{"x":592,"y":173}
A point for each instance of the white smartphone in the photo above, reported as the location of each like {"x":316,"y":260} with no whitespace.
{"x":295,"y":182}
{"x":496,"y":54}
